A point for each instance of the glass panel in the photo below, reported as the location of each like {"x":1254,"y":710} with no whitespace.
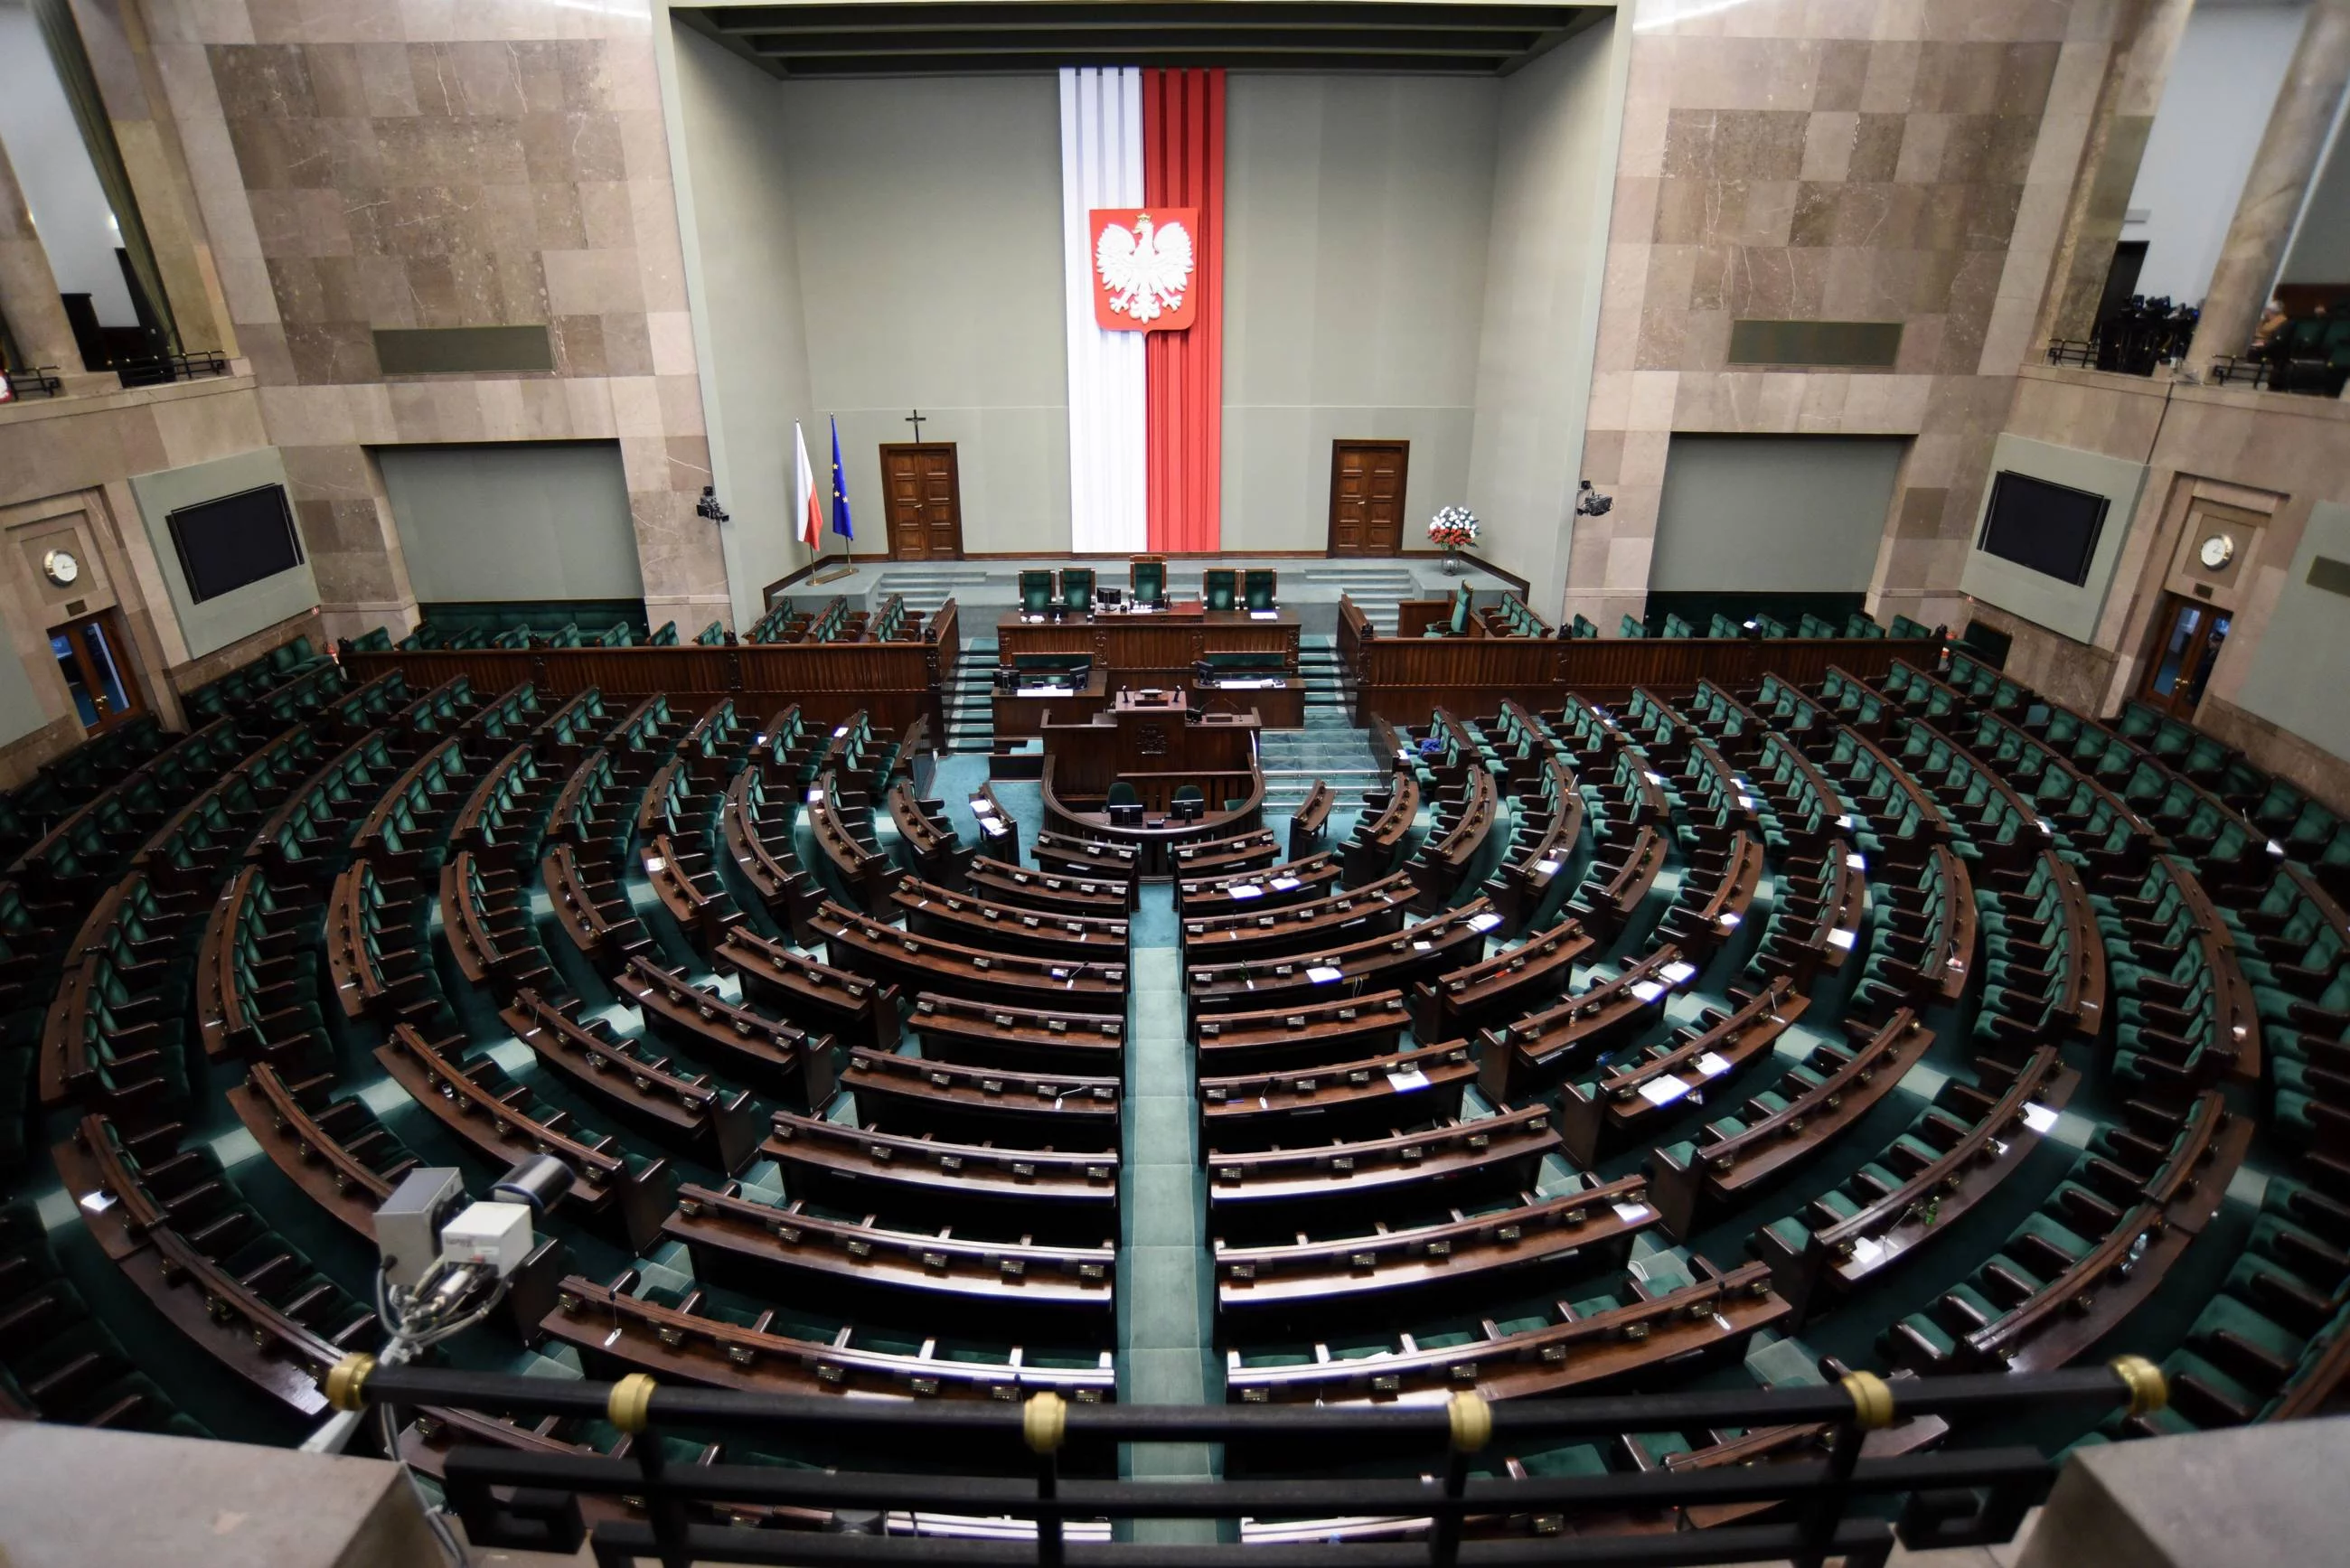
{"x":2182,"y":631}
{"x":2210,"y":657}
{"x":109,"y":674}
{"x":69,"y":666}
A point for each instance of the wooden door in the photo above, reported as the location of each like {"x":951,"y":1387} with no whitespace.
{"x":94,"y":657}
{"x":1366,"y":488}
{"x":2187,"y":634}
{"x":925,"y":501}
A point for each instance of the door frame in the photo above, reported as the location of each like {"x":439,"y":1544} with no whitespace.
{"x":126,"y":667}
{"x":2199,"y":646}
{"x":954,"y":474}
{"x":1403,"y":489}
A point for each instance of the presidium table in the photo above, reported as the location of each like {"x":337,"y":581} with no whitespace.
{"x":1252,"y":656}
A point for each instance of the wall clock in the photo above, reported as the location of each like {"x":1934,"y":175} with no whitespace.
{"x":2217,"y":551}
{"x":61,"y":568}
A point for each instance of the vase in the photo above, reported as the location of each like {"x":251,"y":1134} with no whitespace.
{"x":1451,"y":560}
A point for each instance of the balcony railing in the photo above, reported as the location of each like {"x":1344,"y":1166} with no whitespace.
{"x":1012,"y":1484}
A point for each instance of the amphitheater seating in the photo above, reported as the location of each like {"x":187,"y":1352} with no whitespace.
{"x":1585,"y":982}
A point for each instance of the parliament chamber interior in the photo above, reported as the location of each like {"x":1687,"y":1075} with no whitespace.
{"x":1130,"y":785}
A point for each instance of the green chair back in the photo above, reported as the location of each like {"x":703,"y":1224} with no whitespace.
{"x":1257,"y":587}
{"x":1148,"y":581}
{"x":1123,"y":794}
{"x":1220,"y":587}
{"x":1035,"y":592}
{"x":1077,"y":588}
{"x":1460,"y":611}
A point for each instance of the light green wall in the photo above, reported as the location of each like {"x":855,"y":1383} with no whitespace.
{"x":2036,"y":597}
{"x":927,"y":215}
{"x":2302,"y":660}
{"x":730,"y":154}
{"x":1772,"y":513}
{"x":1356,"y":210}
{"x":254,"y":607}
{"x":20,"y":705}
{"x":1561,"y":121}
{"x":514,"y":520}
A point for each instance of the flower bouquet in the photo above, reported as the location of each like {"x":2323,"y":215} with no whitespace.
{"x":1453,"y":527}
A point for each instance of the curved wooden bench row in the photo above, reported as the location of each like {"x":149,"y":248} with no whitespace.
{"x":932,"y":910}
{"x":1288,"y":1284}
{"x":1979,"y":1133}
{"x":782,"y":1249}
{"x":776,"y":1058}
{"x":1375,"y":963}
{"x":614,"y":1329}
{"x":988,"y":1104}
{"x":1619,"y":1108}
{"x":1312,"y":1036}
{"x":503,"y":1125}
{"x":593,"y":909}
{"x":1513,"y":982}
{"x":1712,"y":1315}
{"x":814,"y":995}
{"x":938,"y":856}
{"x":1380,"y":832}
{"x":1536,"y":1049}
{"x":1249,"y":892}
{"x":915,"y":963}
{"x":1011,"y":884}
{"x":1265,"y":927}
{"x":1275,"y":1190}
{"x":637,"y":1084}
{"x":990,"y":1035}
{"x":1450,"y":852}
{"x":1718,"y":1169}
{"x":1339,"y":1099}
{"x":1066,"y":1194}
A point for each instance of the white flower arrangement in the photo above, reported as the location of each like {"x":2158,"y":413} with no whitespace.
{"x":1453,"y":527}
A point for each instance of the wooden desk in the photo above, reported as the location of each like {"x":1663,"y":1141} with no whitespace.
{"x":1018,"y":717}
{"x":1154,"y":648}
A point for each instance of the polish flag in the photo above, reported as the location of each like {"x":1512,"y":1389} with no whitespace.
{"x":811,"y":510}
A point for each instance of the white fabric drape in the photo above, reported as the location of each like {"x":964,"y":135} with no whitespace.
{"x":1101,"y":166}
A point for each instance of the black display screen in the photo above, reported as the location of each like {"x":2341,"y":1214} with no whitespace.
{"x":2051,"y":528}
{"x":237,"y":539}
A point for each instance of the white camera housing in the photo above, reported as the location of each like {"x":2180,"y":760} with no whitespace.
{"x":496,"y":1236}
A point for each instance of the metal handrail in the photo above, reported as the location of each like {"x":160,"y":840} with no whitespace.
{"x":1023,"y":1448}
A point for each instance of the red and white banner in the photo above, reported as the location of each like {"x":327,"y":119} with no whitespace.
{"x":1143,"y":197}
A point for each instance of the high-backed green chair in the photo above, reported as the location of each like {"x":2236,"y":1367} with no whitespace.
{"x":1460,"y":611}
{"x":1147,"y":577}
{"x":1077,"y":588}
{"x":1187,"y":795}
{"x":1035,"y":592}
{"x":1583,"y":627}
{"x":1257,"y":585}
{"x":1122,"y":794}
{"x":1220,"y":587}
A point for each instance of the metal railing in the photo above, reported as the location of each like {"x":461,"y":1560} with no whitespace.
{"x":1036,"y":1479}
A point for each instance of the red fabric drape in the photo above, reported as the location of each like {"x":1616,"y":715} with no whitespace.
{"x":1183,"y":166}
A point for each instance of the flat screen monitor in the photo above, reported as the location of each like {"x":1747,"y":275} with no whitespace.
{"x":2049,"y":528}
{"x":238,"y":539}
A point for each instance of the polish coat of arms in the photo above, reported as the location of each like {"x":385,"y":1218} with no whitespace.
{"x":1143,"y":261}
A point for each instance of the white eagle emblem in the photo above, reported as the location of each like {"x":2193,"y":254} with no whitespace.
{"x":1145,"y":269}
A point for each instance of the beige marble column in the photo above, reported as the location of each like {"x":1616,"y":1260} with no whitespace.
{"x":2146,"y":41}
{"x":2274,"y":191}
{"x":28,"y":289}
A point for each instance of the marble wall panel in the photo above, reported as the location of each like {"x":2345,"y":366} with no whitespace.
{"x":406,"y":163}
{"x":1832,"y":159}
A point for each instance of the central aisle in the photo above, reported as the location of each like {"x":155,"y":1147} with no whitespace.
{"x":1166,"y":1316}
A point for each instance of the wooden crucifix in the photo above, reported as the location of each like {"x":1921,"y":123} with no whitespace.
{"x":917,"y":421}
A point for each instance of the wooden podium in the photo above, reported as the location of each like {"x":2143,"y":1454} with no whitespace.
{"x":1157,"y":742}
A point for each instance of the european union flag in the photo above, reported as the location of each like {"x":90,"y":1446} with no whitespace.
{"x":839,"y":490}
